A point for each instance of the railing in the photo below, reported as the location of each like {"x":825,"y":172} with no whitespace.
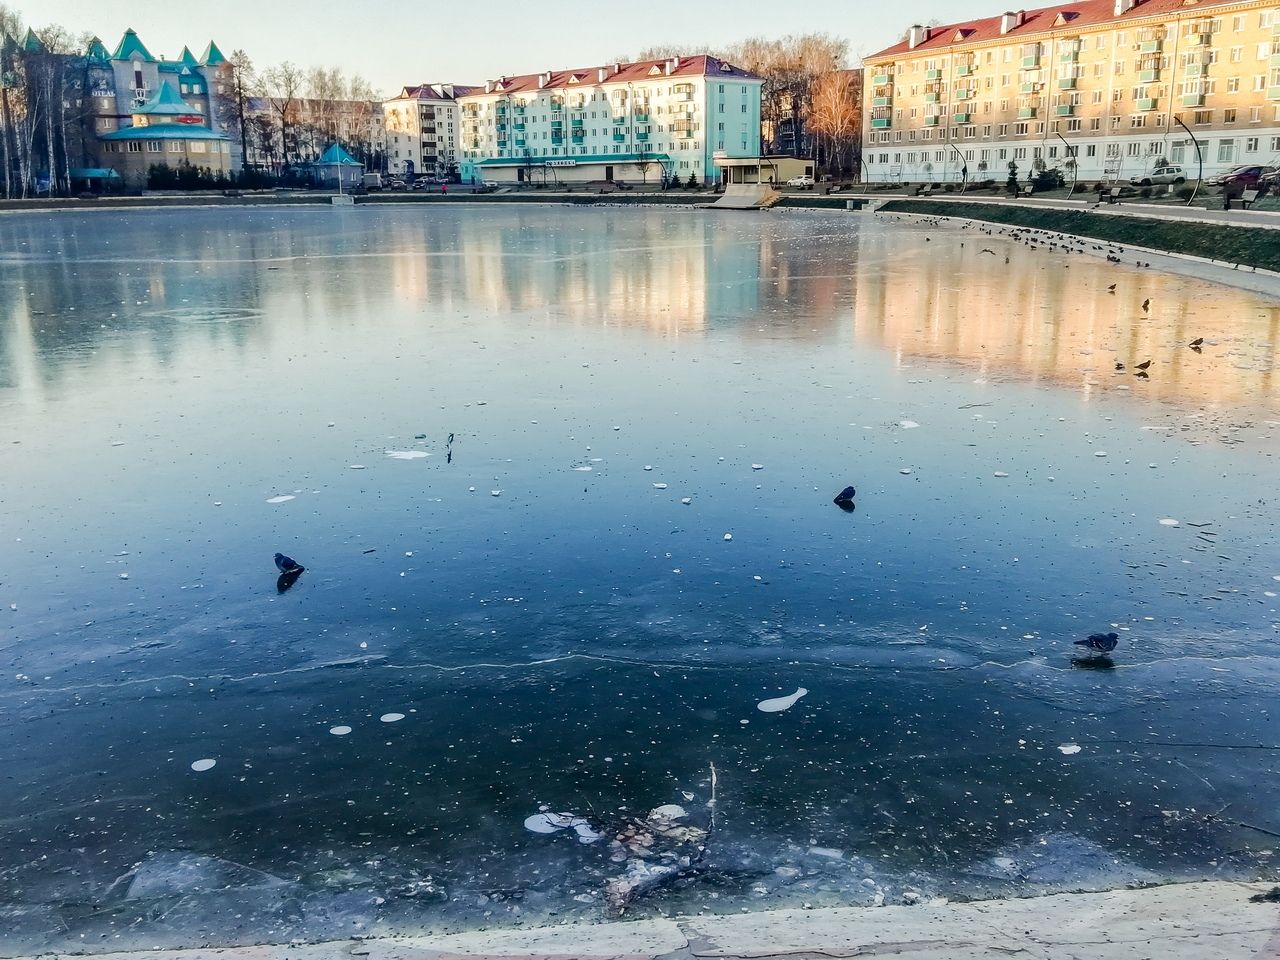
{"x":881,"y":123}
{"x":933,"y":74}
{"x":1193,"y":99}
{"x":1026,"y":113}
{"x":1146,"y":103}
{"x":1066,"y":83}
{"x":1064,"y":109}
{"x":960,"y":118}
{"x":1151,"y":46}
{"x":1148,"y":76}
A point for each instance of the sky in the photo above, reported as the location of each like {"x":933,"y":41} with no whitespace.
{"x":394,"y":44}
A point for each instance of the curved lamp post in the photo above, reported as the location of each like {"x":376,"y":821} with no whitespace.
{"x":1199,"y":160}
{"x":1075,"y":166}
{"x":964,"y":167}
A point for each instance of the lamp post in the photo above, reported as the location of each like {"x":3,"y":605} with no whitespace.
{"x":1199,"y":160}
{"x":1071,"y":158}
{"x":964,"y":167}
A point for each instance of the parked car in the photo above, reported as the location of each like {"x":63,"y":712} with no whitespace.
{"x":395,"y":183}
{"x":423,"y":182}
{"x":804,"y":182}
{"x":1243,"y":177}
{"x":373,"y":181}
{"x":1172,"y":173}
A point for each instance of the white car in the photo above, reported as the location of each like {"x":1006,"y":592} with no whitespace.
{"x":804,"y":182}
{"x":1167,"y":174}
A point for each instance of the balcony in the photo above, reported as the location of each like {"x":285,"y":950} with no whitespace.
{"x":1148,"y":76}
{"x":642,"y":116}
{"x":579,"y":140}
{"x":1066,"y":83}
{"x":619,"y":136}
{"x":1193,"y":99}
{"x":619,"y":121}
{"x":500,"y":110}
{"x":1197,"y":70}
{"x":578,"y":133}
{"x":520,"y":111}
{"x":518,"y":125}
{"x":642,"y":137}
{"x":502,"y":143}
{"x":557,"y":125}
{"x":557,"y":138}
{"x":520,"y":142}
{"x":882,"y":123}
{"x":964,"y":94}
{"x":1200,"y":39}
{"x":931,"y":97}
{"x":882,"y":101}
{"x":930,"y":121}
{"x":1064,"y":109}
{"x":960,"y":118}
{"x":964,"y":70}
{"x":1275,"y":59}
{"x":1069,"y":56}
{"x":1029,"y":88}
{"x":556,"y":106}
{"x":1032,"y":62}
{"x":1145,"y":103}
{"x":1273,"y":92}
{"x":933,"y":74}
{"x":1026,"y":113}
{"x":1151,"y":46}
{"x":880,"y":79}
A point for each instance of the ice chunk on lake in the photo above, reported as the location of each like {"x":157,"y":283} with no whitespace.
{"x":555,"y":822}
{"x":407,"y":454}
{"x":200,"y":766}
{"x":778,"y":704}
{"x":175,"y":873}
{"x":1000,"y":473}
{"x":358,"y":466}
{"x":1169,"y":522}
{"x":1069,"y":748}
{"x":283,"y":498}
{"x":908,"y":424}
{"x":391,"y":717}
{"x":659,"y":486}
{"x":757,"y":466}
{"x":340,"y":731}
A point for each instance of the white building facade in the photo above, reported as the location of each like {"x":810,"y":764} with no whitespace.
{"x":423,"y":130}
{"x":619,"y":122}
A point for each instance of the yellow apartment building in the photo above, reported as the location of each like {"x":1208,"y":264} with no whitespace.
{"x":1103,"y":84}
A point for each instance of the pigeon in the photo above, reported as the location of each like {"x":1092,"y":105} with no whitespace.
{"x":288,"y":564}
{"x":845,"y":496}
{"x":1143,"y":365}
{"x":1142,"y":375}
{"x":1111,"y":289}
{"x":986,"y":250}
{"x":1099,"y":643}
{"x":1119,"y":365}
{"x":1197,"y":342}
{"x":1146,"y":305}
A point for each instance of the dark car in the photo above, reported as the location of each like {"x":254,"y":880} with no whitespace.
{"x":1245,"y":177}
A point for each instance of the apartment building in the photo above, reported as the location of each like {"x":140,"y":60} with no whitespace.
{"x":423,"y":129}
{"x":1104,"y":85}
{"x":622,"y":121}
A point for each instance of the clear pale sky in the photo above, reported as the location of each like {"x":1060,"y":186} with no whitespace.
{"x":393,"y":44}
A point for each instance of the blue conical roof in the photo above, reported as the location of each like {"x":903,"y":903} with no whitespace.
{"x":130,"y":47}
{"x":212,"y":56}
{"x":96,"y":52}
{"x":337,"y":157}
{"x":31,"y":43}
{"x":166,"y":103}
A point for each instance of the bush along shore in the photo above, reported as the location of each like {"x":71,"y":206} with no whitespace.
{"x":1247,"y":246}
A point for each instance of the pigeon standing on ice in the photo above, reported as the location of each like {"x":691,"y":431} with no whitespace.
{"x":1099,"y":644}
{"x":845,"y":496}
{"x":1146,"y":305}
{"x":288,"y":564}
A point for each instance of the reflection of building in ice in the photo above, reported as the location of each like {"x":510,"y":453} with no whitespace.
{"x":1047,"y":316}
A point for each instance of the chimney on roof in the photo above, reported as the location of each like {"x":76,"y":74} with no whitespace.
{"x":488,"y":86}
{"x":917,"y":35}
{"x":1009,"y":20}
{"x":1124,"y":6}
{"x":671,"y":65}
{"x":617,"y":68}
{"x":447,"y":89}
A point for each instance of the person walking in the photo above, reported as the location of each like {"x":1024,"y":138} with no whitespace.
{"x":444,"y":189}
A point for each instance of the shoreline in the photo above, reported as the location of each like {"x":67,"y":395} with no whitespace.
{"x":1183,"y":921}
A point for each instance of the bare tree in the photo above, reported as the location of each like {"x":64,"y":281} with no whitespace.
{"x":236,"y":99}
{"x":10,"y":27}
{"x":835,"y":120}
{"x":283,"y":85}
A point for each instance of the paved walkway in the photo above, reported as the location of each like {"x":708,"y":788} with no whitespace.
{"x":1194,"y":921}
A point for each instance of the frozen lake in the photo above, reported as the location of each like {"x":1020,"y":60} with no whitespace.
{"x":562,"y":482}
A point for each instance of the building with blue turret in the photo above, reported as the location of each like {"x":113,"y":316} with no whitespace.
{"x":146,"y":110}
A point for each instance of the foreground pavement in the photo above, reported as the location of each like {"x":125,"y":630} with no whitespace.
{"x":1192,"y":921}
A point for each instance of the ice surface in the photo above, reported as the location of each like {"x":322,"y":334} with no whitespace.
{"x":778,"y":704}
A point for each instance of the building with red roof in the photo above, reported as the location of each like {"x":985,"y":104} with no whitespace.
{"x":1100,"y":89}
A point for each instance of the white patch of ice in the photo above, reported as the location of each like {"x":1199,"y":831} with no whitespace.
{"x":1099,"y":453}
{"x":668,"y":811}
{"x":200,"y":766}
{"x":283,"y":498}
{"x":1169,"y":522}
{"x":357,"y":466}
{"x":495,"y":493}
{"x":686,"y":500}
{"x":659,"y":486}
{"x":728,"y":536}
{"x":1069,"y":748}
{"x":904,"y":471}
{"x":757,"y":466}
{"x":407,"y":454}
{"x":1000,"y":473}
{"x":778,"y":704}
{"x":339,"y":731}
{"x":648,"y":466}
{"x":908,"y":424}
{"x":391,"y":717}
{"x":584,"y":469}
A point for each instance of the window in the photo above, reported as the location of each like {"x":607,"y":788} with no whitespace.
{"x":1228,"y":116}
{"x":1251,"y":145}
{"x":1226,"y":150}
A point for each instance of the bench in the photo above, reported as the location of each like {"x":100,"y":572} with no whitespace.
{"x":1114,"y":195}
{"x":1027,"y":190}
{"x":1249,"y":198}
{"x":924,"y":191}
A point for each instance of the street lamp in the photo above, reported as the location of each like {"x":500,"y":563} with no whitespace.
{"x":1071,"y":158}
{"x":1199,"y":160}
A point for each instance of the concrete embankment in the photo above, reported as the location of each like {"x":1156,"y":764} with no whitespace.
{"x":1192,"y":921}
{"x":1248,"y":246}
